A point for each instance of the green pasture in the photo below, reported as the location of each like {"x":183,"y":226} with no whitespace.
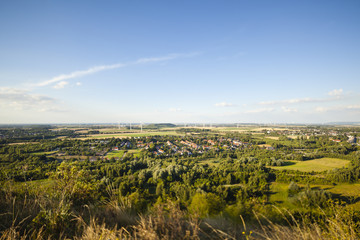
{"x":135,"y":152}
{"x":212,"y":162}
{"x":345,"y":191}
{"x":317,"y":165}
{"x":119,"y":154}
{"x":279,"y":194}
{"x":44,"y":153}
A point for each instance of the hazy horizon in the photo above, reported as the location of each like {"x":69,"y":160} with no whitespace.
{"x":179,"y":62}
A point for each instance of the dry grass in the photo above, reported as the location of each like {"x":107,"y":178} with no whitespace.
{"x":96,"y":231}
{"x":319,"y":164}
{"x":167,"y":222}
{"x":337,"y":226}
{"x":114,"y":220}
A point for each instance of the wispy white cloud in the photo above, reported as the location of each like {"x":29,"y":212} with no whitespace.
{"x":353,"y":107}
{"x":338,"y":108}
{"x":175,"y":109}
{"x":61,"y":84}
{"x":336,"y":92}
{"x":335,"y":95}
{"x":92,"y":70}
{"x":260,"y":110}
{"x":78,"y":84}
{"x":291,"y":101}
{"x":289,"y":110}
{"x":321,"y":109}
{"x":224,"y":104}
{"x":19,"y":99}
{"x":77,"y":74}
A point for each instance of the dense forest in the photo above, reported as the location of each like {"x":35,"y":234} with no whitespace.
{"x":195,"y":184}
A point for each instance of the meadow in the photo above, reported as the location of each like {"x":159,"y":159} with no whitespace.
{"x":317,"y":165}
{"x":348,"y":193}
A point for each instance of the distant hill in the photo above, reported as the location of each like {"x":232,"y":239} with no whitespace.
{"x":343,"y":123}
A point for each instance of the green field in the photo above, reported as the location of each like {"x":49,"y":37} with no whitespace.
{"x":210,"y":161}
{"x":120,"y":153}
{"x":114,"y":154}
{"x":318,"y":165}
{"x":136,"y":152}
{"x":279,"y":194}
{"x":44,"y":153}
{"x":351,"y":192}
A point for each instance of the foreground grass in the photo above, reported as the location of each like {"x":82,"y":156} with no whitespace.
{"x":317,"y":165}
{"x":44,"y":215}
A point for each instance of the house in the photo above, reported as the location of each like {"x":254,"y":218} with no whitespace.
{"x":352,"y":139}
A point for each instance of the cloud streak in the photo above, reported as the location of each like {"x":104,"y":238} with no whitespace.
{"x":335,"y":95}
{"x":288,"y":110}
{"x":338,"y":108}
{"x":293,"y":101}
{"x":77,"y":74}
{"x":260,"y":110}
{"x":175,"y":109}
{"x":224,"y":104}
{"x":336,"y":92}
{"x":92,"y":70}
{"x":61,"y":84}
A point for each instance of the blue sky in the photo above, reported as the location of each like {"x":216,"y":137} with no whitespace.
{"x":179,"y":61}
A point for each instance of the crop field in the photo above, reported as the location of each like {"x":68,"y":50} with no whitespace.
{"x":139,"y":134}
{"x":233,"y":129}
{"x":318,"y":165}
{"x":273,"y":138}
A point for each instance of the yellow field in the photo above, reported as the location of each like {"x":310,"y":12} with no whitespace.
{"x":273,"y":138}
{"x":317,"y":165}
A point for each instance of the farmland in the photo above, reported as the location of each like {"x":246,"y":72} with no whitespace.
{"x":134,"y":134}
